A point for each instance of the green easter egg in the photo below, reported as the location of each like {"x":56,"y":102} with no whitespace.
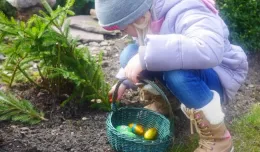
{"x":130,"y":134}
{"x":123,"y":128}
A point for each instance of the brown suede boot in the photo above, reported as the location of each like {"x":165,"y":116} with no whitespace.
{"x":213,"y":137}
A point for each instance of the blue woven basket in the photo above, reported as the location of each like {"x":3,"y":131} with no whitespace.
{"x":147,"y":118}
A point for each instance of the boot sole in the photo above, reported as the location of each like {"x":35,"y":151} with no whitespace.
{"x":232,"y":150}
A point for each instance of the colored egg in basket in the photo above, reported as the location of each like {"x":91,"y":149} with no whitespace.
{"x":130,"y":134}
{"x":137,"y":129}
{"x":150,"y":134}
{"x":122,"y":128}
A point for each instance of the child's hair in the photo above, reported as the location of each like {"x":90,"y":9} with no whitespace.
{"x":142,"y":29}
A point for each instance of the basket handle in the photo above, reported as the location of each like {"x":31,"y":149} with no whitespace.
{"x":114,"y":96}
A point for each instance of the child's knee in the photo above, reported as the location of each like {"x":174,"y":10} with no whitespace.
{"x":128,"y":52}
{"x":176,"y":78}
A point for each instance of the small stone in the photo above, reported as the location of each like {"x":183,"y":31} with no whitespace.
{"x":105,"y":64}
{"x":94,"y":50}
{"x":53,"y":132}
{"x":72,"y":133}
{"x":88,"y":24}
{"x":84,"y":118}
{"x":24,"y":129}
{"x":258,"y":88}
{"x":40,"y":94}
{"x":86,"y":37}
{"x":81,"y":46}
{"x":251,"y":86}
{"x":102,"y":48}
{"x":14,"y":127}
{"x":93,"y":44}
{"x":111,"y":42}
{"x":96,"y":100}
{"x":23,"y":133}
{"x":109,"y":48}
{"x":99,"y":100}
{"x":104,"y":43}
{"x":257,"y":98}
{"x":22,"y":4}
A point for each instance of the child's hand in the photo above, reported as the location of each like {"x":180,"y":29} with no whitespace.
{"x":120,"y":91}
{"x":133,"y":69}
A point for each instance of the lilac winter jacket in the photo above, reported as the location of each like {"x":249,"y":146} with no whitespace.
{"x":193,"y":36}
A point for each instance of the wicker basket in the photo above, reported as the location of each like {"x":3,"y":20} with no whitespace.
{"x":147,"y":118}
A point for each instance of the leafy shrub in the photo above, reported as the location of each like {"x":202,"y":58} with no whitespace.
{"x":8,"y":9}
{"x":242,"y":17}
{"x":80,"y":6}
{"x":61,"y":65}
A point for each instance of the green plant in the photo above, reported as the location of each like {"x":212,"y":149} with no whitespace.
{"x":242,"y":17}
{"x":246,"y":131}
{"x":8,"y":9}
{"x":62,"y":66}
{"x":80,"y":6}
{"x":18,"y":110}
{"x":186,"y":144}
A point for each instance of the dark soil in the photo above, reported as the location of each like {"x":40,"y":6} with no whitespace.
{"x":80,"y":128}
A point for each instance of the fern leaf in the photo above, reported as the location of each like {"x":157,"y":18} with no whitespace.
{"x":22,"y":118}
{"x":66,"y":28}
{"x":69,"y":4}
{"x":18,"y":110}
{"x":46,"y":6}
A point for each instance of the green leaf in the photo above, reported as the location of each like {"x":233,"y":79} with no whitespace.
{"x":22,"y":111}
{"x":45,"y":40}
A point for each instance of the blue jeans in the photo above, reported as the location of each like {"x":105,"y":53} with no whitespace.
{"x":191,"y":87}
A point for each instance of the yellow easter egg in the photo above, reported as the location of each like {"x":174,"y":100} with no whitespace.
{"x":150,"y":134}
{"x":137,"y":129}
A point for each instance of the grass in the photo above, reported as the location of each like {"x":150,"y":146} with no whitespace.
{"x":188,"y":145}
{"x":245,"y":131}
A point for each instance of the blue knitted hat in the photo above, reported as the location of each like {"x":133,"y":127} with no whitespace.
{"x":117,"y":14}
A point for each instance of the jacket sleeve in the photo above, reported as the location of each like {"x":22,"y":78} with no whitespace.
{"x":128,"y":84}
{"x":198,"y":44}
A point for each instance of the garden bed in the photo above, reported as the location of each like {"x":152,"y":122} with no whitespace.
{"x":83,"y":129}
